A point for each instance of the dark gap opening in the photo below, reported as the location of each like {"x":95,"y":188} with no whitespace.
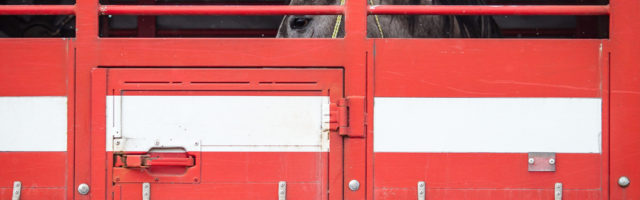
{"x":512,"y":26}
{"x":37,"y":26}
{"x":194,"y":2}
{"x":37,"y":2}
{"x":189,"y":26}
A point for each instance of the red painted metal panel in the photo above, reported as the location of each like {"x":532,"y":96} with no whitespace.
{"x":625,"y":99}
{"x":35,"y":67}
{"x":221,"y":52}
{"x":243,"y":170}
{"x":483,"y":171}
{"x":35,"y":193}
{"x":509,"y":68}
{"x":230,"y":191}
{"x":36,"y":170}
{"x":478,"y":68}
{"x":506,"y":194}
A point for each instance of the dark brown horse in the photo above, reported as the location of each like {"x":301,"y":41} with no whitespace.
{"x":394,"y":26}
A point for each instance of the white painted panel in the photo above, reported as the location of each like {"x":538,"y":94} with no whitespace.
{"x":487,"y":125}
{"x":219,"y":123}
{"x":36,"y":123}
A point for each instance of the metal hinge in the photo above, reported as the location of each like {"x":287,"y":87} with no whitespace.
{"x":343,"y":119}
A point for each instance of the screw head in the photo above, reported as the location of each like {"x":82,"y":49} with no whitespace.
{"x":83,"y":189}
{"x":354,"y":185}
{"x":623,"y":181}
{"x":552,"y":161}
{"x":531,"y":161}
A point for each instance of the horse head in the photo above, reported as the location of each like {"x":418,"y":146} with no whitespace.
{"x":392,"y":26}
{"x":309,"y":26}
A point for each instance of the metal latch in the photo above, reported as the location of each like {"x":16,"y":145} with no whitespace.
{"x":422,"y":190}
{"x":17,"y":186}
{"x":542,"y":162}
{"x":158,"y":159}
{"x":342,"y":117}
{"x":557,"y":192}
{"x":282,"y":190}
{"x":146,"y":191}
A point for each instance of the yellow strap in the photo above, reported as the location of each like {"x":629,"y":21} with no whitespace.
{"x":377,"y":21}
{"x":336,"y":28}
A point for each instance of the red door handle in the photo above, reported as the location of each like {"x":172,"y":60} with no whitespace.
{"x":155,"y":159}
{"x":160,"y":161}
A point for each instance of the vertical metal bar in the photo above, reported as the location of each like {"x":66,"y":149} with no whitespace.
{"x":356,"y":47}
{"x":90,"y":150}
{"x":624,"y":101}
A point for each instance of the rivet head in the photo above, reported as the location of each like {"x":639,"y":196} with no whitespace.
{"x":83,"y":189}
{"x":531,"y":161}
{"x":552,"y":161}
{"x":354,"y":185}
{"x":623,"y":181}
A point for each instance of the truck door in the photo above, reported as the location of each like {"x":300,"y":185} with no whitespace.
{"x":250,"y":133}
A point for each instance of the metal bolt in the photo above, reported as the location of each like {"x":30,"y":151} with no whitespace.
{"x":354,"y":185}
{"x":157,"y":143}
{"x":623,"y":181}
{"x":17,"y":184}
{"x":421,"y":184}
{"x":117,"y":142}
{"x":552,"y":161}
{"x":197,"y":143}
{"x":531,"y":161}
{"x":83,"y":189}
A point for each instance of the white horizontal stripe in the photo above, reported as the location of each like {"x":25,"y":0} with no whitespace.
{"x":219,"y":123}
{"x":569,"y":125}
{"x":33,"y":123}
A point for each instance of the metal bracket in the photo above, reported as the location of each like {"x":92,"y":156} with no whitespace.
{"x":421,"y":190}
{"x":542,"y":162}
{"x":341,"y":119}
{"x":558,"y":191}
{"x":146,"y":191}
{"x":282,"y":190}
{"x":17,"y":186}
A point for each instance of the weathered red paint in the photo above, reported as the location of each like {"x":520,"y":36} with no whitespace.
{"x":372,"y":67}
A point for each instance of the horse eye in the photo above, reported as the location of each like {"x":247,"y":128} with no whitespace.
{"x":299,"y":22}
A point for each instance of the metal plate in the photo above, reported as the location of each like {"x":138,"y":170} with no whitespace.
{"x":542,"y":162}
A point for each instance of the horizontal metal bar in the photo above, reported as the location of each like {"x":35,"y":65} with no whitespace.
{"x":220,"y":10}
{"x":37,"y":10}
{"x":487,"y":10}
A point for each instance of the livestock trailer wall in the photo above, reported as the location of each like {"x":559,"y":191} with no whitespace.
{"x":93,"y":117}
